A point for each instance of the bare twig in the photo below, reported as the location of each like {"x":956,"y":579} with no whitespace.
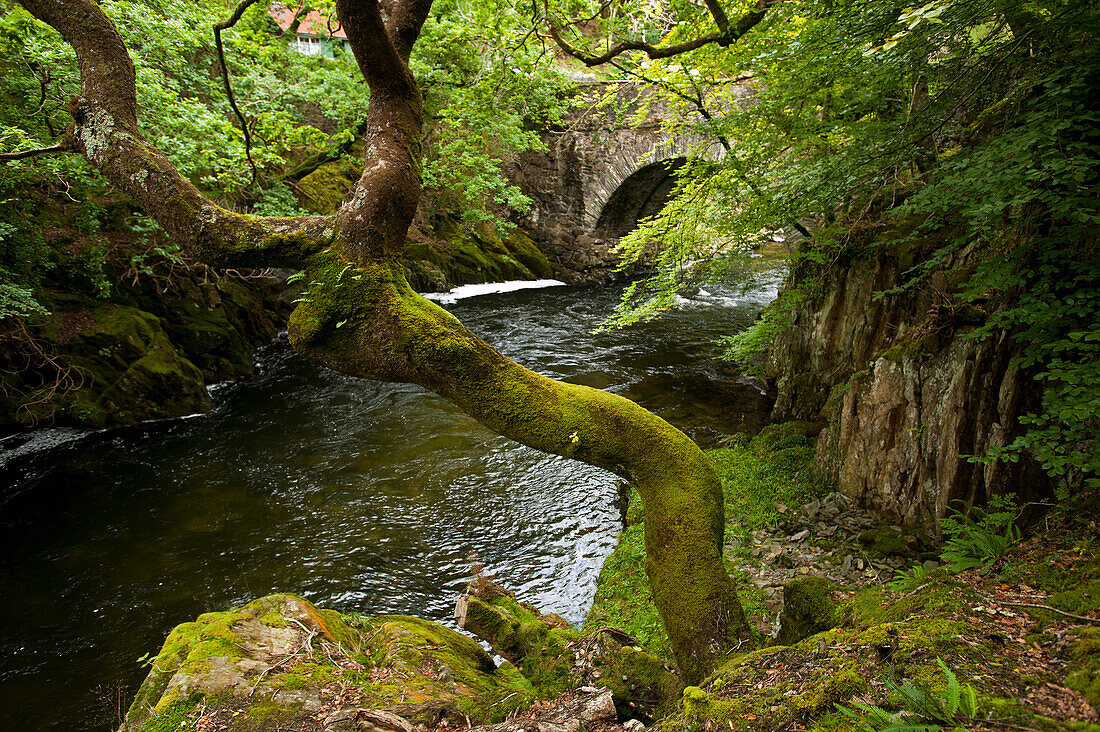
{"x":34,"y":355}
{"x":23,"y":154}
{"x":218,"y":28}
{"x":1055,"y":610}
{"x":724,"y":36}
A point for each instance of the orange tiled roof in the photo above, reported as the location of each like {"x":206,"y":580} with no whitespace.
{"x":313,"y":23}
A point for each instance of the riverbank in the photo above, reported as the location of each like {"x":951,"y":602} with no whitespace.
{"x":1014,"y":646}
{"x":848,"y":611}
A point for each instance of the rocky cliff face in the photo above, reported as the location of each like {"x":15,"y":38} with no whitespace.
{"x":902,"y":392}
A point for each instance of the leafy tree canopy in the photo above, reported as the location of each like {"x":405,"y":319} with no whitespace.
{"x":487,"y":93}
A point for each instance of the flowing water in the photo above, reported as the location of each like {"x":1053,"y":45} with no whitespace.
{"x":360,"y":496}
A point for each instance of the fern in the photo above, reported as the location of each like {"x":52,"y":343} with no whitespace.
{"x":911,"y":579}
{"x":982,"y":540}
{"x":923,"y":709}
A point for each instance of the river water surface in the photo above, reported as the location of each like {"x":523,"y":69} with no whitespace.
{"x":360,"y":496}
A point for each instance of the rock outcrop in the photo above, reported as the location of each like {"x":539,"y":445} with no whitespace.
{"x":281,"y":663}
{"x":148,"y":353}
{"x":557,"y":659}
{"x":903,"y":394}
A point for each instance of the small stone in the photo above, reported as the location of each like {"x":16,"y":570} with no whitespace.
{"x":781,"y":508}
{"x":801,"y":535}
{"x":633,"y":725}
{"x":366,"y":720}
{"x":859,"y":564}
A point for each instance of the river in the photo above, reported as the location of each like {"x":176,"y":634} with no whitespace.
{"x":358,"y":495}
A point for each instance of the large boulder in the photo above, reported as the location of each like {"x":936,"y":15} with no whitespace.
{"x":280,"y":661}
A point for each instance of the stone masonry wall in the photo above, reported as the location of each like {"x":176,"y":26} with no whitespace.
{"x":586,"y":161}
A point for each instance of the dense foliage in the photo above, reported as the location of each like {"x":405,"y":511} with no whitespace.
{"x":486,"y":96}
{"x":948,"y":127}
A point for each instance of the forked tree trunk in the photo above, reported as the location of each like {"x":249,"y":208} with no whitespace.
{"x":360,"y":317}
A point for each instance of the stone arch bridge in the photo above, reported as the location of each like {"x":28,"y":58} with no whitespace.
{"x":600,"y":175}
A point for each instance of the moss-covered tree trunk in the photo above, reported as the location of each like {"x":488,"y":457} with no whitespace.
{"x":360,"y":317}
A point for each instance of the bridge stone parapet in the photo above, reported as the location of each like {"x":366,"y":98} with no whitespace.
{"x":612,"y":163}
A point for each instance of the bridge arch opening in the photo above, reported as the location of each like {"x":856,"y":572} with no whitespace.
{"x":642,"y":194}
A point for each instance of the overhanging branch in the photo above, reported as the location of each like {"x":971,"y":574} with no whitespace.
{"x":218,"y":28}
{"x":724,"y":36}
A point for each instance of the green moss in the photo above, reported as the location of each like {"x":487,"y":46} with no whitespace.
{"x":131,"y":372}
{"x":549,"y":667}
{"x":808,"y":609}
{"x":170,"y":719}
{"x":323,"y":190}
{"x":642,"y":684}
{"x":899,"y":353}
{"x":274,"y":619}
{"x":214,"y":636}
{"x":887,"y":541}
{"x":1084,"y":673}
{"x":267,"y":714}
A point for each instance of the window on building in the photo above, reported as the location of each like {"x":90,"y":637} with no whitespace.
{"x":308,"y":44}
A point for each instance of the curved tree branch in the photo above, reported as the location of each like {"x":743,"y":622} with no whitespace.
{"x":725,"y":35}
{"x":105,"y":129}
{"x":390,"y":333}
{"x":218,"y":28}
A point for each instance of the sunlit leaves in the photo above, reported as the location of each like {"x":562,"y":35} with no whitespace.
{"x":489,"y":91}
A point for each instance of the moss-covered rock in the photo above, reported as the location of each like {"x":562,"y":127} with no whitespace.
{"x":556,"y":658}
{"x":808,"y":609}
{"x":889,"y":541}
{"x":323,"y":190}
{"x":130,"y":372}
{"x":280,"y":661}
{"x":446,"y":252}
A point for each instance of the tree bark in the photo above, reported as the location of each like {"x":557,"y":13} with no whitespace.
{"x":360,"y":317}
